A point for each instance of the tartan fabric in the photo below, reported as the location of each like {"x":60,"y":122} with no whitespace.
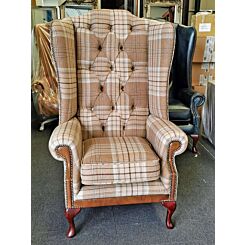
{"x":160,"y":133}
{"x":69,"y":134}
{"x":121,"y":190}
{"x":122,"y":63}
{"x":161,"y":44}
{"x":113,"y":160}
{"x":113,"y":70}
{"x":63,"y":52}
{"x":112,"y":51}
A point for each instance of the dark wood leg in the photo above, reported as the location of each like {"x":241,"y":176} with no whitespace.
{"x":195,"y":138}
{"x":70,"y":213}
{"x":171,"y":206}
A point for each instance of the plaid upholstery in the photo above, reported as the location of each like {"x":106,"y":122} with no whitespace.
{"x":113,"y":70}
{"x":161,"y":43}
{"x":113,"y":160}
{"x":120,"y":190}
{"x":160,"y":134}
{"x":69,"y":134}
{"x":63,"y":51}
{"x":113,"y":73}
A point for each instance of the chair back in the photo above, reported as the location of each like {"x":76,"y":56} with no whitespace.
{"x":122,"y":66}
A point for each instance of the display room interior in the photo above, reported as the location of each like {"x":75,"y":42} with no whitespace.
{"x":123,"y":121}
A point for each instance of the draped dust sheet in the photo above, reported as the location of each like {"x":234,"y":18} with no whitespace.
{"x":44,"y":79}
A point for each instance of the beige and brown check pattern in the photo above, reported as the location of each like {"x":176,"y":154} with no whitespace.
{"x":112,"y":73}
{"x":113,"y":160}
{"x":69,"y":134}
{"x":63,"y":52}
{"x":121,"y":190}
{"x":160,"y":133}
{"x":113,"y":70}
{"x":161,"y":43}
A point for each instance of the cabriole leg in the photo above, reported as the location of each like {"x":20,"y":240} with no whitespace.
{"x":195,"y":138}
{"x":171,"y":206}
{"x":70,"y":213}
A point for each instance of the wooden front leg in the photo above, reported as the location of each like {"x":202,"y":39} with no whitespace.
{"x":70,"y":213}
{"x":171,"y":206}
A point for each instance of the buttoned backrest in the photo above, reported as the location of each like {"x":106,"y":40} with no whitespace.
{"x":122,"y":70}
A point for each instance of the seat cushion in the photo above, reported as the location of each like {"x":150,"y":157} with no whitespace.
{"x":114,"y":160}
{"x":178,"y":111}
{"x":155,"y":187}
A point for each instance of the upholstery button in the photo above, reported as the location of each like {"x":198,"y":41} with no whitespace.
{"x":103,"y":128}
{"x":121,"y":48}
{"x":100,"y":48}
{"x":111,"y":67}
{"x":132,"y":68}
{"x":122,"y":88}
{"x":101,"y":88}
{"x":124,"y":127}
{"x":113,"y":107}
{"x":90,"y":67}
{"x":132,"y":107}
{"x":110,"y":27}
{"x":131,"y":28}
{"x":89,"y":26}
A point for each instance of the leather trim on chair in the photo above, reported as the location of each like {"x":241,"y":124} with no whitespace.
{"x":65,"y":153}
{"x":173,"y":147}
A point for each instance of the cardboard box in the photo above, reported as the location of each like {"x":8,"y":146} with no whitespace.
{"x":33,"y":3}
{"x":202,"y":73}
{"x":205,"y":5}
{"x":199,"y":88}
{"x":204,"y":50}
{"x":204,"y":22}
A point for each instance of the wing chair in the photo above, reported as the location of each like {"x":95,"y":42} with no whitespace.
{"x":114,"y":136}
{"x":183,"y":100}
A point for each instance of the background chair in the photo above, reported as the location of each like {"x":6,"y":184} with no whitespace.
{"x":183,"y":100}
{"x":114,"y":136}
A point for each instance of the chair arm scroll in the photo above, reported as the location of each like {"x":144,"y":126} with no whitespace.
{"x":191,"y":98}
{"x":168,"y":140}
{"x":67,"y":134}
{"x":161,"y":133}
{"x":65,"y":145}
